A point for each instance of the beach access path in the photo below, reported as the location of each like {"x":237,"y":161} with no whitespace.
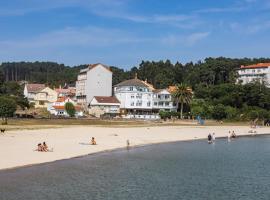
{"x":17,"y":148}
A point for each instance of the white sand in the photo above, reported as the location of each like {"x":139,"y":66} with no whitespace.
{"x":17,"y":147}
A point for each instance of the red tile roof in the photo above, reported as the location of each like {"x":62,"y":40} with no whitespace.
{"x":63,"y":107}
{"x":35,"y":87}
{"x":101,"y":99}
{"x":259,"y":65}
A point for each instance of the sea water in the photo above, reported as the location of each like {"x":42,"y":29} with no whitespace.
{"x":239,"y":169}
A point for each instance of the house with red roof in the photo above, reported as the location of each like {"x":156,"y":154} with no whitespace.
{"x":257,"y":72}
{"x":57,"y":108}
{"x":39,"y":95}
{"x":104,"y":106}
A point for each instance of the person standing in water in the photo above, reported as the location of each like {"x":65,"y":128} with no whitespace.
{"x":209,"y":137}
{"x":229,"y":136}
{"x":213,"y":137}
{"x":233,"y":135}
{"x":128,"y":144}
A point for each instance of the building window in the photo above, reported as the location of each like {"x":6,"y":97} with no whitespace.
{"x":130,"y":88}
{"x":155,"y":103}
{"x":138,"y":103}
{"x":148,"y":103}
{"x":167,"y":103}
{"x":132,"y":96}
{"x":41,"y":103}
{"x":132,"y":104}
{"x":160,"y":103}
{"x":138,"y":96}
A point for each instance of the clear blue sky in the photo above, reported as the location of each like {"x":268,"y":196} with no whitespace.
{"x":124,"y":32}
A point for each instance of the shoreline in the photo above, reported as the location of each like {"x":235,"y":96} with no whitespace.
{"x":14,"y":158}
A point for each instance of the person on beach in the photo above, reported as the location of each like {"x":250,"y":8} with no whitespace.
{"x":209,"y":137}
{"x":45,"y":147}
{"x":213,"y":137}
{"x":128,"y":144}
{"x":93,"y":141}
{"x":233,"y":135}
{"x":39,"y":147}
{"x":229,"y":136}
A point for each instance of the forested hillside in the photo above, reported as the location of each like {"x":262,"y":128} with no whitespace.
{"x":211,"y":71}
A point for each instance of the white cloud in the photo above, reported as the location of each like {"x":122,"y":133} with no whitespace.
{"x":184,"y":40}
{"x":70,"y":36}
{"x":196,"y":37}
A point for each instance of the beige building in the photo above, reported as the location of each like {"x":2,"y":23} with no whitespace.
{"x":104,"y":106}
{"x":39,"y":95}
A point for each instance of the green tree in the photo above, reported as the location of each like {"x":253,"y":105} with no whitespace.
{"x":70,"y":109}
{"x":7,"y":108}
{"x":182,"y":95}
{"x":219,"y":112}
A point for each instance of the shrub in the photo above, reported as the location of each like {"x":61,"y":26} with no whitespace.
{"x":70,"y":108}
{"x":219,"y":112}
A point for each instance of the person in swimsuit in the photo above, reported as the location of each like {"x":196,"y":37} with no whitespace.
{"x":93,"y":142}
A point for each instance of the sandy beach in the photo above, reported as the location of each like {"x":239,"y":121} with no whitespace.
{"x":17,"y":147}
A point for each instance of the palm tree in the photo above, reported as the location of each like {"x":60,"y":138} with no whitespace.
{"x":183,"y":95}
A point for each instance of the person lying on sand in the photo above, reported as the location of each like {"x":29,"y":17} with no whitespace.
{"x":93,"y":142}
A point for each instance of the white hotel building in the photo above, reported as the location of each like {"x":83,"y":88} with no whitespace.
{"x":258,"y":72}
{"x":139,"y":99}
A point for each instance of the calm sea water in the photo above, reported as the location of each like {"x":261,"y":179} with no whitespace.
{"x":184,"y":170}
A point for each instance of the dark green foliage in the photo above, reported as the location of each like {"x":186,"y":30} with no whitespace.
{"x":168,"y":115}
{"x":219,"y":112}
{"x":40,"y":72}
{"x":7,"y":108}
{"x":70,"y":108}
{"x":14,"y":91}
{"x":182,"y":95}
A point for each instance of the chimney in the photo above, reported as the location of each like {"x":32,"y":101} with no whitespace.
{"x":136,"y":76}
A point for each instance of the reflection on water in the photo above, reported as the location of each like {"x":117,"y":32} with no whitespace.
{"x":183,"y":170}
